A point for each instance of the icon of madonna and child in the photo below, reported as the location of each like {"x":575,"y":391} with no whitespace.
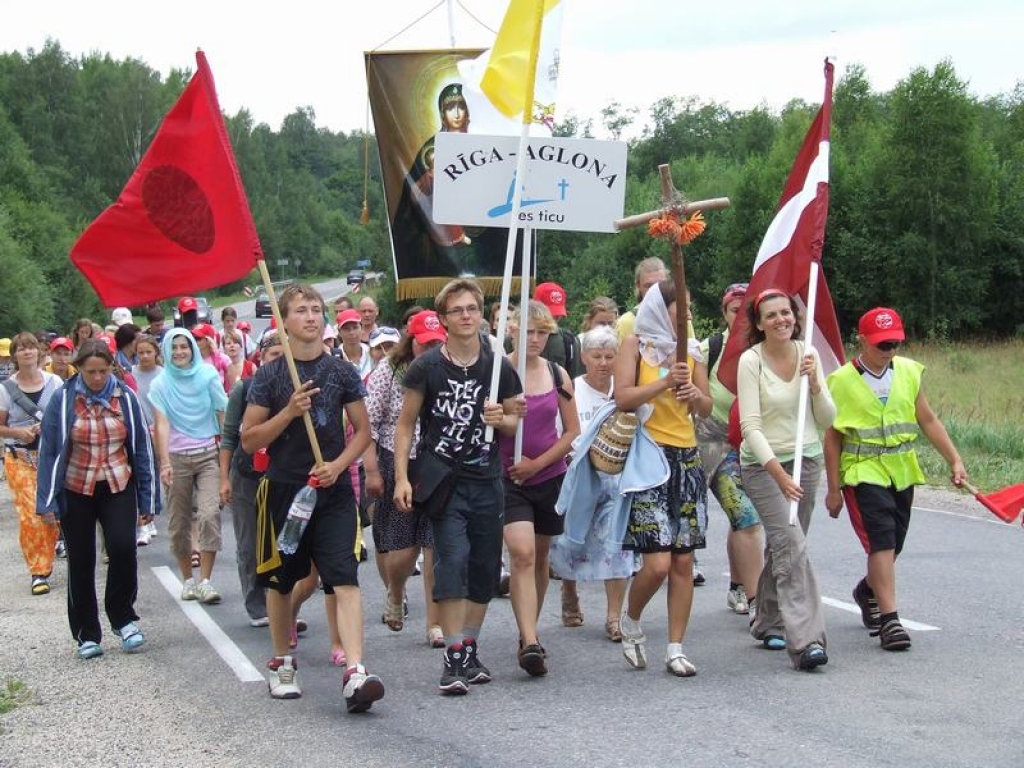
{"x":424,"y":248}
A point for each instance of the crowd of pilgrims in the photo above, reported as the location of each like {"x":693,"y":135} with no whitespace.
{"x":113,"y":428}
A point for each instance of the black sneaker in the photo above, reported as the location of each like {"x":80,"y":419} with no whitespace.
{"x":453,"y":680}
{"x":812,"y":656}
{"x":870,"y":615}
{"x":476,"y":672}
{"x":531,"y":659}
{"x":893,"y":636}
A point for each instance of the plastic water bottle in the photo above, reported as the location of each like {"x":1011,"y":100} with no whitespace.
{"x":298,"y":518}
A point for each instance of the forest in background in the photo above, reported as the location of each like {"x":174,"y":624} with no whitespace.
{"x":927,"y":191}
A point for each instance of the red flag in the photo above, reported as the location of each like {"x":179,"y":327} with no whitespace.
{"x":794,"y":238}
{"x":1005,"y":504}
{"x":182,"y":222}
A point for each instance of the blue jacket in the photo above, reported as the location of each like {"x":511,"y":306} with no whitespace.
{"x":55,"y":450}
{"x":646,"y":467}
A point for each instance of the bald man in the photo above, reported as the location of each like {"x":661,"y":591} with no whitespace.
{"x":368,"y":311}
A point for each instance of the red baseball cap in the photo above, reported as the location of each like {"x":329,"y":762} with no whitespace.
{"x":881,"y":324}
{"x":244,"y":325}
{"x":204,"y":331}
{"x":551,"y":295}
{"x":348,"y":316}
{"x":426,"y":327}
{"x":62,"y":341}
{"x":187,"y":304}
{"x":111,"y":343}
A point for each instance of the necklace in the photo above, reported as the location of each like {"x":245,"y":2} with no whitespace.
{"x":464,"y":364}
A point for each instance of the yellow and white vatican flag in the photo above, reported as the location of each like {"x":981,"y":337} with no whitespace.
{"x":498,"y":82}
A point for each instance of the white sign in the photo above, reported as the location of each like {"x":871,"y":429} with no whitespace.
{"x":568,"y":184}
{"x":282,"y":262}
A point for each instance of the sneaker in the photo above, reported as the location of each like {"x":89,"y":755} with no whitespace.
{"x":677,"y":663}
{"x":476,"y":673}
{"x":61,"y":550}
{"x":531,"y":660}
{"x":141,"y":537}
{"x":698,"y":574}
{"x":151,"y":530}
{"x":893,"y":636}
{"x":505,"y":584}
{"x":283,"y":679}
{"x":205,"y":593}
{"x":774,"y":643}
{"x":453,"y":679}
{"x":812,"y":656}
{"x":417,"y":569}
{"x":131,"y":637}
{"x":870,"y":615}
{"x":633,"y":642}
{"x":260,"y":621}
{"x":188,"y":590}
{"x":737,"y":601}
{"x":752,"y":609}
{"x":40,"y":585}
{"x":89,"y":650}
{"x":361,"y":689}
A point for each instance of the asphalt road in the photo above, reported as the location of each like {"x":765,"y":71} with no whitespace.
{"x":953,"y":700}
{"x":330,"y":290}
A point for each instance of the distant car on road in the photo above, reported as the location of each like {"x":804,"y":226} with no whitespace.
{"x":203,"y":310}
{"x":263,"y":304}
{"x":356,"y":276}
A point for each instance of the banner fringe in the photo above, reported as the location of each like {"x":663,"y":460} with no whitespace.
{"x":429,"y":287}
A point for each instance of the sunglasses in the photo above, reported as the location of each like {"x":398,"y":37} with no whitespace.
{"x":887,"y":346}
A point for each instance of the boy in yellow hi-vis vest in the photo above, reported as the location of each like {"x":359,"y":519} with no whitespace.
{"x":870,"y":462}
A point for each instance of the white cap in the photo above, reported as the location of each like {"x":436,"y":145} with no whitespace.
{"x":120,"y":316}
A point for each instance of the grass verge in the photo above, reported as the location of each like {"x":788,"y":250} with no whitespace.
{"x":14,"y":693}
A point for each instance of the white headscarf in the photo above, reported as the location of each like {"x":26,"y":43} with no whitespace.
{"x":656,"y":332}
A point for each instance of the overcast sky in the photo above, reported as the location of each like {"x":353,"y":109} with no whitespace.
{"x":274,"y":57}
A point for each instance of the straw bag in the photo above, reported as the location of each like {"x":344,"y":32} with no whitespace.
{"x":611,"y":445}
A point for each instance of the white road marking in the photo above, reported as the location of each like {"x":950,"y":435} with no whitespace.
{"x":962,"y":516}
{"x":854,"y":608}
{"x":208,"y":628}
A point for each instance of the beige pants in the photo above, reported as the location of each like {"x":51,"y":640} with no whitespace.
{"x":788,"y":601}
{"x":200,"y":473}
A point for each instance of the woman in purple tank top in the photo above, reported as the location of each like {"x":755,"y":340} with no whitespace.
{"x":532,"y":484}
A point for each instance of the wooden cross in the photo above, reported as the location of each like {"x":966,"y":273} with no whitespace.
{"x":673,"y":200}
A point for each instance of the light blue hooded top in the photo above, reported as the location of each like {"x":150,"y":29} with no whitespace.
{"x":189,"y":397}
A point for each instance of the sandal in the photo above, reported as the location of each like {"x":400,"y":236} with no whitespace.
{"x":612,"y":630}
{"x":572,"y":616}
{"x":394,"y":616}
{"x":293,"y":638}
{"x":435,"y":637}
{"x":338,"y":658}
{"x":40,"y":585}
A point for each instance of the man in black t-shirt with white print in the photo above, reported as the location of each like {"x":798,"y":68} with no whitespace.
{"x":331,"y":389}
{"x":448,"y":388}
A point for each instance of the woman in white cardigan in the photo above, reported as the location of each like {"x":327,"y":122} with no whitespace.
{"x":789,"y":614}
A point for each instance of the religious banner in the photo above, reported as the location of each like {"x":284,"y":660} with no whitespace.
{"x":413,"y":96}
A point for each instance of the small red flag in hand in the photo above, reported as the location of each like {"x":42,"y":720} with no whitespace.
{"x":1005,"y":504}
{"x":182,"y":222}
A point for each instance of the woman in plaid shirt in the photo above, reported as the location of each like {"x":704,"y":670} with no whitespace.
{"x":96,"y":466}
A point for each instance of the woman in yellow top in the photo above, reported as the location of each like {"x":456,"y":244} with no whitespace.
{"x":666,"y":523}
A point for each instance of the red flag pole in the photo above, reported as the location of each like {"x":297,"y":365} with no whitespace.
{"x":289,"y":358}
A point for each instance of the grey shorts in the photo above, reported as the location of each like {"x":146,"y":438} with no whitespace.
{"x":467,"y":542}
